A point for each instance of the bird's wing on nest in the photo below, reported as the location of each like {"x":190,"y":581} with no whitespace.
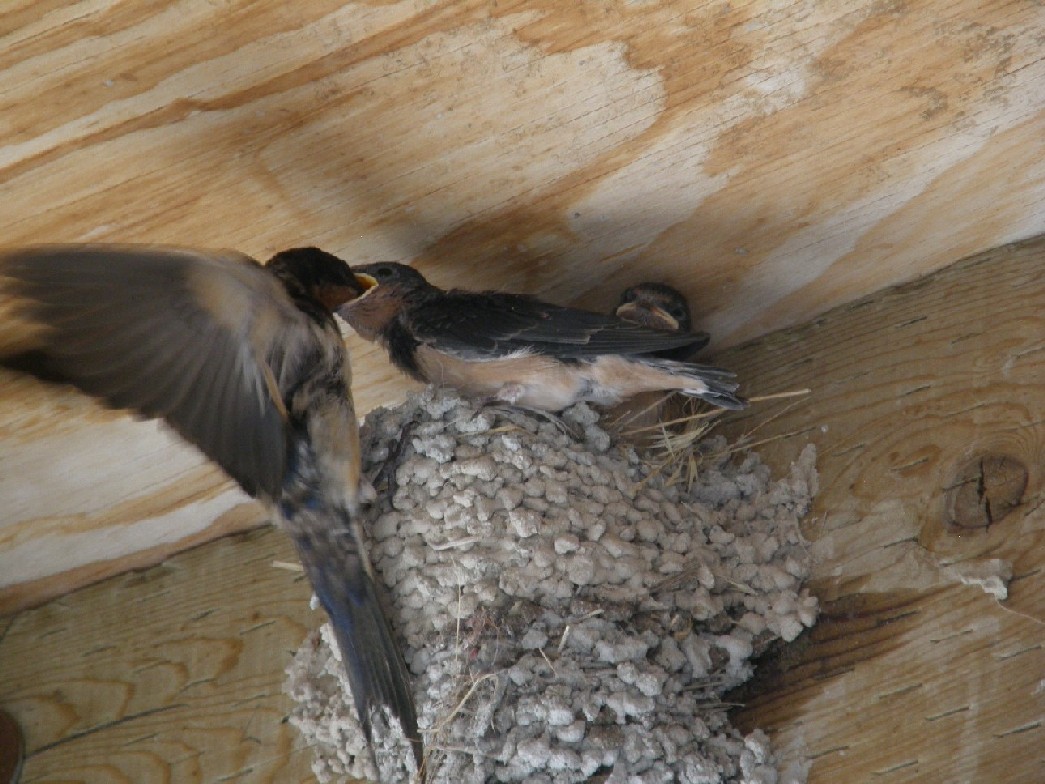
{"x":482,"y":325}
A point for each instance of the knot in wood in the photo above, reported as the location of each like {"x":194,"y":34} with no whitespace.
{"x":984,"y":491}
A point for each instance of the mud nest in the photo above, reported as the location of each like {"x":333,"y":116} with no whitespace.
{"x":567,"y":614}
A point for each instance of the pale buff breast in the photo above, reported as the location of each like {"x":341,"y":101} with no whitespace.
{"x":534,"y":381}
{"x":531,"y":381}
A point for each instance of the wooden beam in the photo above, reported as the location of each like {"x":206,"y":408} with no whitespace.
{"x":914,"y":672}
{"x":928,"y":412}
{"x":170,"y":674}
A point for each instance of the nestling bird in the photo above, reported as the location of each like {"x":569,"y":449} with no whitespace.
{"x":520,"y":350}
{"x":245,"y":362}
{"x":660,"y":306}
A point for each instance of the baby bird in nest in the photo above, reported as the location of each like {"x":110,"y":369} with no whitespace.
{"x":520,"y":350}
{"x":659,"y":306}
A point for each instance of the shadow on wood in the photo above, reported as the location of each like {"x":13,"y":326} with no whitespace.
{"x":927,"y":411}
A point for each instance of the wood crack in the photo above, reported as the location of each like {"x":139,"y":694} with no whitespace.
{"x":102,"y":727}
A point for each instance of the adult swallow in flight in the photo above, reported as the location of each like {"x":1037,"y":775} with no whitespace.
{"x":660,"y":306}
{"x":520,"y":350}
{"x":245,"y":362}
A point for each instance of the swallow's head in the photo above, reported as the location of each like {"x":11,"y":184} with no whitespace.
{"x":318,"y":275}
{"x":390,"y":276}
{"x":388,"y":288}
{"x":655,"y":305}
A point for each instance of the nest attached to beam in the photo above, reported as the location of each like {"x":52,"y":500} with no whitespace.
{"x":569,"y":610}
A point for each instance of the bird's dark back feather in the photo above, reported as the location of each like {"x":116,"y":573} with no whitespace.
{"x":485,"y":324}
{"x":401,"y":346}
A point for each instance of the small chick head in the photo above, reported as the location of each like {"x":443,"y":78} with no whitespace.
{"x":655,"y":305}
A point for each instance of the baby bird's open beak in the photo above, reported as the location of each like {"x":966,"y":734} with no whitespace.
{"x":364,"y":285}
{"x":337,"y":297}
{"x":366,"y":282}
{"x":648,"y":315}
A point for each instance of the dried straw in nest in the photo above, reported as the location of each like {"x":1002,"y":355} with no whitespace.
{"x":676,"y":444}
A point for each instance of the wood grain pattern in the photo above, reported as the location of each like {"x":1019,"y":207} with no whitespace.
{"x":772,"y":159}
{"x":911,"y":675}
{"x":915,"y":673}
{"x":88,"y":492}
{"x":166,"y":677}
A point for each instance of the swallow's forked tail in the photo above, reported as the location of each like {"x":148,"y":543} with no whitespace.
{"x":715,"y":385}
{"x":343,"y":580}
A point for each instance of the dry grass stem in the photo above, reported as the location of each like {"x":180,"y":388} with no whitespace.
{"x":676,"y":454}
{"x":290,"y":567}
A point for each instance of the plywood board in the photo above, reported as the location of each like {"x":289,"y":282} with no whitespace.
{"x":927,"y":411}
{"x":172,"y":674}
{"x":771,"y":158}
{"x":914,"y":673}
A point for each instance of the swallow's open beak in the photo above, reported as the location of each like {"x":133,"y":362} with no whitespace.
{"x":648,"y":315}
{"x":367,"y":282}
{"x":364,"y":285}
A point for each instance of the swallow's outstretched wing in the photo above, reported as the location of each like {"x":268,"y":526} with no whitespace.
{"x":197,"y":339}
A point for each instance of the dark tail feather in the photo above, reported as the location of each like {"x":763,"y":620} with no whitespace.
{"x":376,"y":670}
{"x":716,"y":385}
{"x":342,"y":579}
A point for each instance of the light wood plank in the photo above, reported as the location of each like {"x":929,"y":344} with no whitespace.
{"x":771,"y":158}
{"x":912,"y":674}
{"x":172,"y":674}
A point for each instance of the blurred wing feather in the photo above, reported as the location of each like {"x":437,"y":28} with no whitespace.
{"x":168,"y":333}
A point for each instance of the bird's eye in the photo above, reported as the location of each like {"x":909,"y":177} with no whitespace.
{"x":629,"y":296}
{"x":383,"y":273}
{"x":678,"y":312}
